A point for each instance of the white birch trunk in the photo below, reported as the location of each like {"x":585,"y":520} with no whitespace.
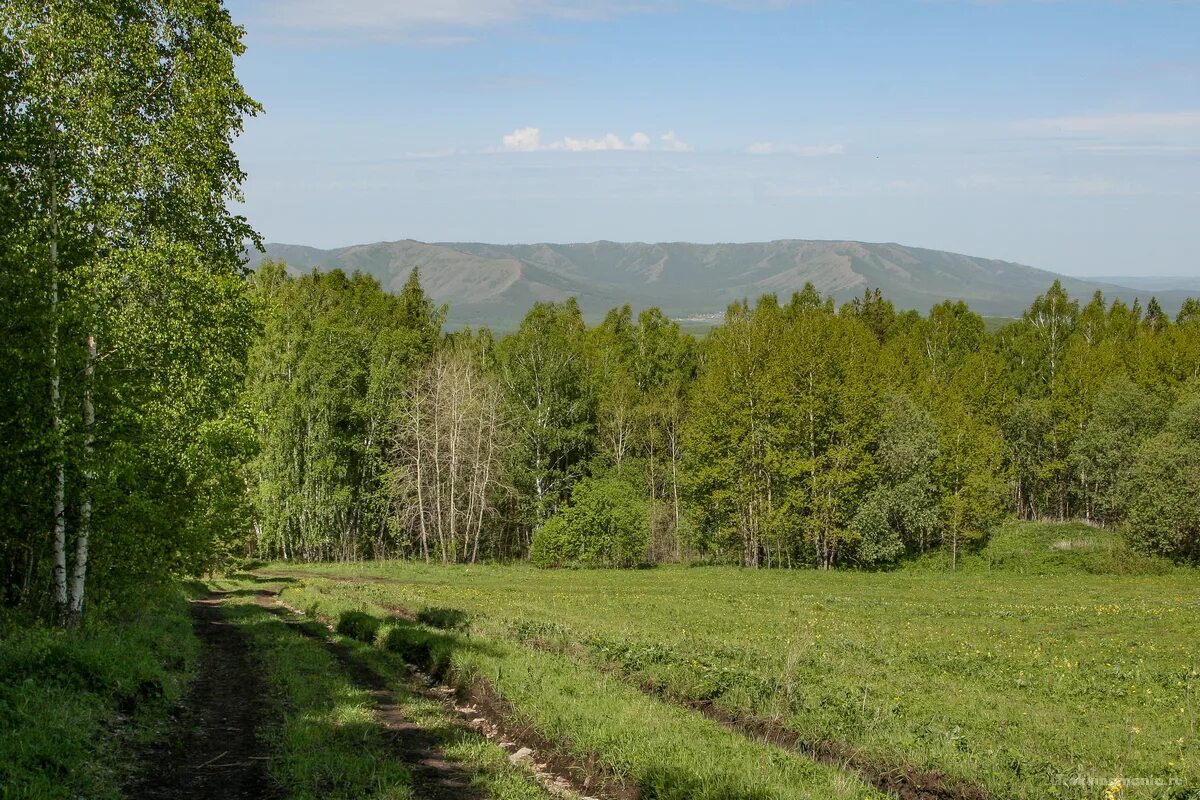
{"x":79,"y":573}
{"x":60,"y":480}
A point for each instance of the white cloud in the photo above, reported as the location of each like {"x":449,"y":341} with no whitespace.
{"x":523,"y":139}
{"x":609,"y":141}
{"x":672,"y":142}
{"x":810,"y":150}
{"x":529,"y":140}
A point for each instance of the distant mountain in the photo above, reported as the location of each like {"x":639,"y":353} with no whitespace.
{"x":1189,"y":284}
{"x":487,"y":284}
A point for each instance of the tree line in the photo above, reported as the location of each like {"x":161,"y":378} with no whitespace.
{"x":794,"y":434}
{"x":163,"y":411}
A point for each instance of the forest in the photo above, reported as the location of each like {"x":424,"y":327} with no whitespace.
{"x":796,"y":434}
{"x":167,"y":412}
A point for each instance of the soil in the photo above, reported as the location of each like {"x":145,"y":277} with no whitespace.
{"x":215,"y":748}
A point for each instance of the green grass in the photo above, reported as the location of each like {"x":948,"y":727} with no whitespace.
{"x":1033,"y":548}
{"x":1031,"y":685}
{"x":668,"y":751}
{"x":327,"y":743}
{"x":74,"y":705}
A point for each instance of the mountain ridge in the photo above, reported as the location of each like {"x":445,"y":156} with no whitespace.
{"x":491,"y":284}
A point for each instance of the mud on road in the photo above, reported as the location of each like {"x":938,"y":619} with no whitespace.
{"x":215,"y":747}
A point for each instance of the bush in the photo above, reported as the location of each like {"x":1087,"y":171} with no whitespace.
{"x":878,"y":542}
{"x":606,"y":525}
{"x":447,"y":619}
{"x":358,"y":625}
{"x":1164,"y":486}
{"x":423,"y":649}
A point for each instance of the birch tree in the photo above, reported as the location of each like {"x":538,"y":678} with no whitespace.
{"x":125,"y":113}
{"x":549,"y":397}
{"x":451,"y":447}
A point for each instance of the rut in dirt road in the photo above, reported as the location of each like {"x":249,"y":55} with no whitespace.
{"x":215,"y":749}
{"x":436,"y":777}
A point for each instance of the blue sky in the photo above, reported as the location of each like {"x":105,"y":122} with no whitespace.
{"x":1065,"y":135}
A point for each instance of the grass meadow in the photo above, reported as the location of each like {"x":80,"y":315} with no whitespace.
{"x":1032,"y":672}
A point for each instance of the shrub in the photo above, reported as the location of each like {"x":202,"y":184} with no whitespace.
{"x":606,"y":525}
{"x":878,"y":542}
{"x":422,"y":649}
{"x":1164,"y":483}
{"x":358,"y":625}
{"x":447,"y":619}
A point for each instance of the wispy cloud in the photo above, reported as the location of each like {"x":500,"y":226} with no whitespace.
{"x":837,"y":187}
{"x":810,"y":150}
{"x":1135,"y":123}
{"x":529,"y":140}
{"x":448,"y":22}
{"x":429,"y":21}
{"x":1049,"y":185}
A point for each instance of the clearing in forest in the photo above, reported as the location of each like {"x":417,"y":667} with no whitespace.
{"x":989,"y":684}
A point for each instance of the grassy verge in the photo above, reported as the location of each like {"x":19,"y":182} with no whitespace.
{"x":1028,"y":685}
{"x":74,"y":704}
{"x":328,"y":743}
{"x":665,"y":750}
{"x":1052,"y":548}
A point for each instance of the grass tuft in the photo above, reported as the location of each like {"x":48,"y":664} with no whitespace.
{"x":358,"y":625}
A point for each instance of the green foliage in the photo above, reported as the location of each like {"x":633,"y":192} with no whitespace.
{"x":641,"y":370}
{"x":792,"y":435}
{"x":605,"y":525}
{"x":543,"y":367}
{"x":123,"y":293}
{"x":879,"y":542}
{"x":62,"y":691}
{"x":901,"y":512}
{"x":1164,"y":485}
{"x":1122,"y":415}
{"x":326,"y":385}
{"x":783,"y":422}
{"x":968,"y":474}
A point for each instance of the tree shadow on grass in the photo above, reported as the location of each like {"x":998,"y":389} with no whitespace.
{"x":251,"y":577}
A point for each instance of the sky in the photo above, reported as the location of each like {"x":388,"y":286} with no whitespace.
{"x":1063,"y":135}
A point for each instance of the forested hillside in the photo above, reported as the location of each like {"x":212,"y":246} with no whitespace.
{"x":797,"y":433}
{"x":495,"y":284}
